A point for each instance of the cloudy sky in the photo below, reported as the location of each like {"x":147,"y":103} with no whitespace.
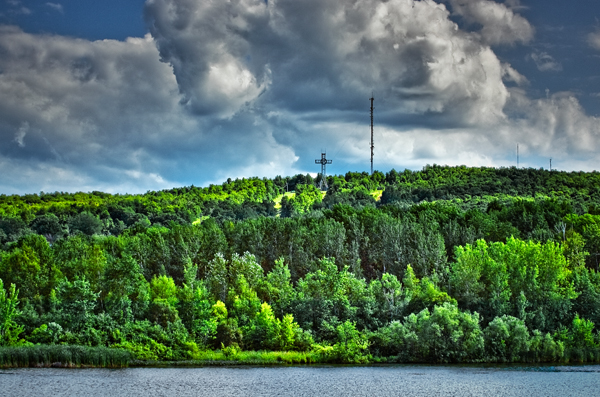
{"x":130,"y":96}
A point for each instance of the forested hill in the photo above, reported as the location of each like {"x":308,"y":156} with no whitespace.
{"x":447,"y":264}
{"x":59,"y":214}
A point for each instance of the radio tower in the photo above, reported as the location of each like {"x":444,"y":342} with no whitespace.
{"x":323,"y":161}
{"x":372,"y":146}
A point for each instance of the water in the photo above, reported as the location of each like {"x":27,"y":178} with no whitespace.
{"x":401,"y":380}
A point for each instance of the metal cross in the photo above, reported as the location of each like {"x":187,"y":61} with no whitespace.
{"x":323,"y":161}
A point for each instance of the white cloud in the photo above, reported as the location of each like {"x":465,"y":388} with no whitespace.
{"x":204,"y":43}
{"x":500,"y":24}
{"x":56,"y":6}
{"x":545,"y":62}
{"x":515,"y":5}
{"x":594,"y":40}
{"x":20,"y":135}
{"x":512,"y":75}
{"x":17,"y":8}
{"x":555,"y":125}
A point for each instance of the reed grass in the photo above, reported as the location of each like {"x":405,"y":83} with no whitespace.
{"x":275,"y":357}
{"x":68,"y":356}
{"x":575,"y":355}
{"x":258,"y":357}
{"x":219,"y":358}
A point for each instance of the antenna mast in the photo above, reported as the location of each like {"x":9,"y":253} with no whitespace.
{"x":517,"y":155}
{"x":323,"y":161}
{"x":372,"y":146}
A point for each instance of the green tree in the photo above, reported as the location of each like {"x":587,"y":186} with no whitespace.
{"x":390,"y":297}
{"x":124,"y":288}
{"x":76,"y":303}
{"x":243,"y":302}
{"x":264,"y":330}
{"x":78,"y":257}
{"x":163,"y":309}
{"x":327,"y":297}
{"x":508,"y":278}
{"x":49,"y":226}
{"x":9,"y":329}
{"x":424,"y":293}
{"x":198,"y":314}
{"x":12,"y":229}
{"x":217,"y":277}
{"x":306,"y":197}
{"x":276,"y":288}
{"x":22,"y":268}
{"x":480,"y":282}
{"x":86,"y":223}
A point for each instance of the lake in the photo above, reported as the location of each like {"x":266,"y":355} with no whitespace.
{"x":389,"y":380}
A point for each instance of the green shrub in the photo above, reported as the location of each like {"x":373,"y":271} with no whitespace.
{"x":351,"y":346}
{"x":151,"y":350}
{"x":506,"y":339}
{"x":446,"y":335}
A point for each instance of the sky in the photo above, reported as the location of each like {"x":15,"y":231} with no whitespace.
{"x":130,"y":96}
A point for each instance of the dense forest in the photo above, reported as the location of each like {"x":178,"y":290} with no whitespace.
{"x":447,"y":264}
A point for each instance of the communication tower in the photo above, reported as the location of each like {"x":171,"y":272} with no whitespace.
{"x":372,"y":145}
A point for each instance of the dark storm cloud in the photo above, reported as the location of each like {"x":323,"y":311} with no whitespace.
{"x":328,"y":55}
{"x":247,"y":87}
{"x":204,"y":43}
{"x":314,"y":64}
{"x":81,"y":106}
{"x":106,"y":115}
